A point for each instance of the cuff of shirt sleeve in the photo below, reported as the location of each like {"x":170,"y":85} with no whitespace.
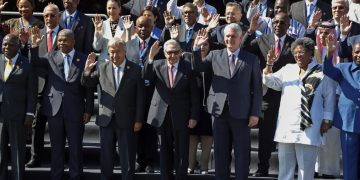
{"x":195,"y":49}
{"x":30,"y":114}
{"x":328,"y":115}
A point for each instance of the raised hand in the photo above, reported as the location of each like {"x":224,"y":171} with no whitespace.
{"x":174,"y":32}
{"x":254,"y":22}
{"x":213,"y":22}
{"x":98,"y":23}
{"x":2,"y":5}
{"x":36,"y":38}
{"x":331,"y":44}
{"x":154,"y":50}
{"x":254,"y":3}
{"x":169,"y":19}
{"x":86,"y":118}
{"x":253,"y":121}
{"x":345,"y":24}
{"x":201,"y":38}
{"x":192,"y":123}
{"x":127,"y":22}
{"x":205,"y":14}
{"x":90,"y":62}
{"x":315,"y":19}
{"x":271,"y":57}
{"x":24,"y":36}
{"x":137,"y":126}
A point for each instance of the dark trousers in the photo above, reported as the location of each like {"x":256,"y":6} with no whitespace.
{"x":37,"y":139}
{"x":126,"y":140}
{"x":147,"y":145}
{"x":72,"y":129}
{"x":12,"y":131}
{"x":350,"y":146}
{"x":169,"y":138}
{"x":227,"y":131}
{"x":267,"y":127}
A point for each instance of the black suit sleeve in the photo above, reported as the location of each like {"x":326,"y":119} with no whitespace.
{"x":256,"y":88}
{"x":140,"y":97}
{"x":202,"y":65}
{"x":89,"y":100}
{"x":91,"y":79}
{"x":31,"y":92}
{"x":40,"y":65}
{"x":195,"y":97}
{"x":250,"y":43}
{"x":89,"y":37}
{"x":345,"y":50}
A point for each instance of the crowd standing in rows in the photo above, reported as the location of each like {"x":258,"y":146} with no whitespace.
{"x":173,"y":75}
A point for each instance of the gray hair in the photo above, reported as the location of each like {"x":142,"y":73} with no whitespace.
{"x":52,"y":6}
{"x":345,"y":3}
{"x":233,"y":26}
{"x":67,"y":33}
{"x":305,"y":42}
{"x":171,"y":41}
{"x":117,"y":42}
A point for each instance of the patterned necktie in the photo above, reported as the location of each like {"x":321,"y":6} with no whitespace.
{"x":278,"y":48}
{"x":142,"y":46}
{"x":171,"y":76}
{"x":310,"y":12}
{"x":49,"y":41}
{"x":67,"y":66}
{"x":8,"y":68}
{"x":232,"y":64}
{"x":188,"y":35}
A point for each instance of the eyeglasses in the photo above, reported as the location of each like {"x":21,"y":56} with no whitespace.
{"x":279,"y":22}
{"x":50,"y":15}
{"x":338,"y":7}
{"x":172,"y":52}
{"x":300,"y":53}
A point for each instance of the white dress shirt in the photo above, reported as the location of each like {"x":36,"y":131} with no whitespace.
{"x":177,"y":10}
{"x":288,"y":81}
{"x":66,"y":65}
{"x":54,"y":33}
{"x":236,"y":53}
{"x":119,"y":69}
{"x":175,"y":69}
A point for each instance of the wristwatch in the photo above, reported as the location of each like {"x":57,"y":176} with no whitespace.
{"x":327,"y":121}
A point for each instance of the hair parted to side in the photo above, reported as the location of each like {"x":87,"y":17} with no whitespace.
{"x":117,"y":42}
{"x":233,"y":26}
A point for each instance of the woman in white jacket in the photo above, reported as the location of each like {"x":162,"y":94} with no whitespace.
{"x":115,"y":26}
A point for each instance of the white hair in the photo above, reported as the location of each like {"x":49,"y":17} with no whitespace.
{"x":233,"y":26}
{"x":52,"y":6}
{"x":171,"y":41}
{"x":345,"y":3}
{"x":117,"y":42}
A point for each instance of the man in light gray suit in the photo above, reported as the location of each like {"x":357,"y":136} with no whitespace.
{"x":17,"y":106}
{"x":67,"y":104}
{"x":121,"y":107}
{"x":234,"y":99}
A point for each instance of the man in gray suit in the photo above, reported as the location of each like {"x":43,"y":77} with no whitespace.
{"x":121,"y":107}
{"x":175,"y":107}
{"x":234,"y":99}
{"x":67,"y":104}
{"x":50,"y":33}
{"x":17,"y":106}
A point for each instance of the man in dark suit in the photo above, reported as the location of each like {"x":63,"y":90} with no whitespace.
{"x":233,"y":14}
{"x":281,"y":42}
{"x":187,"y":30}
{"x":67,"y":104}
{"x":50,"y":33}
{"x":121,"y":107}
{"x":174,"y":107}
{"x":80,"y":24}
{"x":17,"y":106}
{"x":137,"y":51}
{"x":303,"y":11}
{"x":234,"y":99}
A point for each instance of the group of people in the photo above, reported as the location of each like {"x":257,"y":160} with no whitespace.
{"x":179,"y":76}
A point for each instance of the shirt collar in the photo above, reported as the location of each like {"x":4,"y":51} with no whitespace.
{"x":56,"y":29}
{"x":72,"y":15}
{"x":71,"y":53}
{"x":191,"y":27}
{"x":146,"y":40}
{"x":236,"y":53}
{"x":354,"y":66}
{"x":176,"y":65}
{"x":308,"y":3}
{"x":311,"y":64}
{"x":121,"y":66}
{"x":282,"y":38}
{"x":13,"y":59}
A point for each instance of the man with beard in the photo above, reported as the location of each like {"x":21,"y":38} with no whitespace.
{"x":80,"y":24}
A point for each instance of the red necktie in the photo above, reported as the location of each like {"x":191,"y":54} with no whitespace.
{"x":278,"y":48}
{"x":49,"y":41}
{"x":142,"y":45}
{"x":171,"y":75}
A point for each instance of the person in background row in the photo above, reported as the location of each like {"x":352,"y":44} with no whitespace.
{"x":302,"y":11}
{"x":18,"y":106}
{"x":115,"y":26}
{"x":80,"y":24}
{"x":154,"y":15}
{"x":306,"y":109}
{"x":68,"y":105}
{"x":48,"y":45}
{"x":121,"y":107}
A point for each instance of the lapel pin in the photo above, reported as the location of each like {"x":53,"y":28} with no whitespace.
{"x":77,"y":60}
{"x":17,"y":66}
{"x":127,"y":67}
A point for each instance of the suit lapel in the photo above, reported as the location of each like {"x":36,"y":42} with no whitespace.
{"x":224,"y":62}
{"x":74,"y":64}
{"x":125,"y":75}
{"x":17,"y":66}
{"x":302,"y":11}
{"x":2,"y":67}
{"x":182,"y":33}
{"x":110,"y":76}
{"x":286,"y":45}
{"x":179,"y":73}
{"x":164,"y":73}
{"x":58,"y":60}
{"x":239,"y":63}
{"x":77,"y":21}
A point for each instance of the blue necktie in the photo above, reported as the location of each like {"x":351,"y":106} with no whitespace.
{"x":67,"y":66}
{"x":188,"y":35}
{"x":311,"y":10}
{"x":69,"y":22}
